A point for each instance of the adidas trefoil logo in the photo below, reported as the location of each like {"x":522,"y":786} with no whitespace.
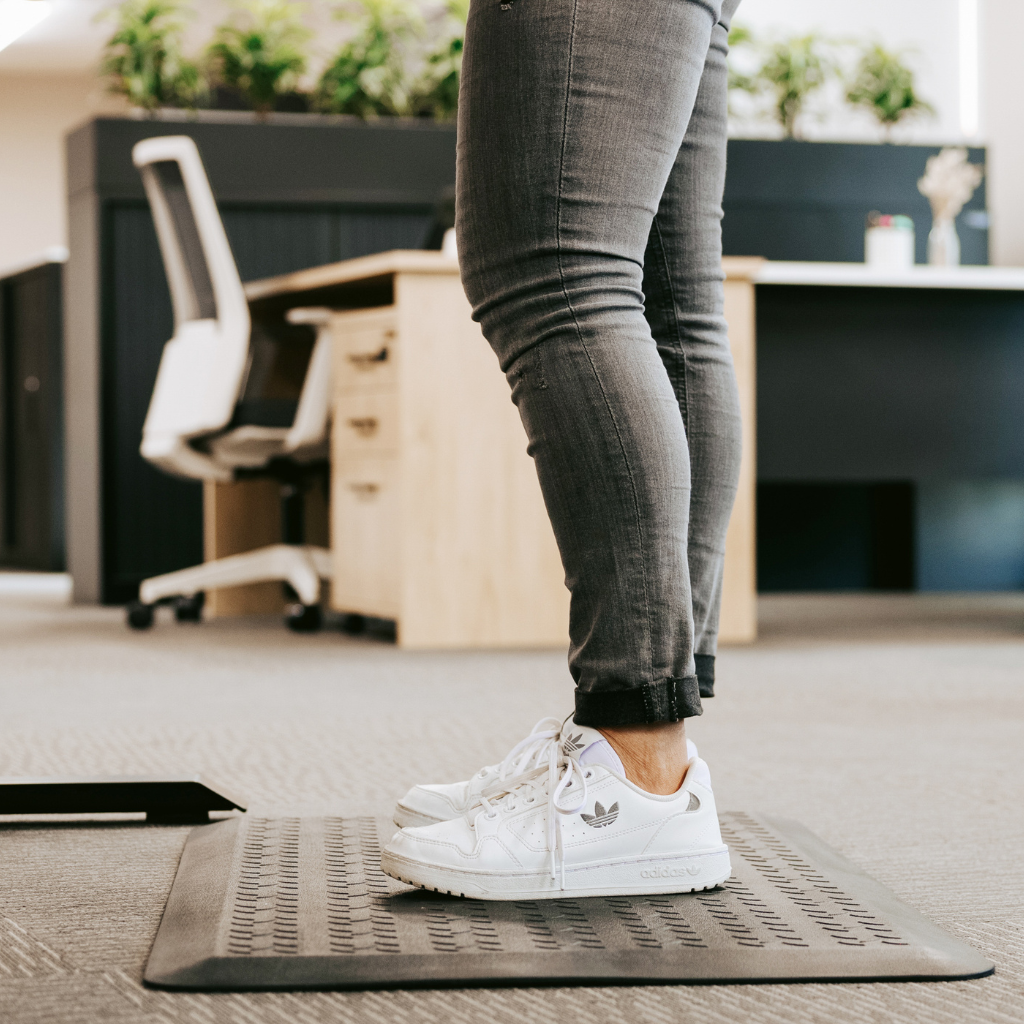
{"x":601,"y":817}
{"x":573,"y":743}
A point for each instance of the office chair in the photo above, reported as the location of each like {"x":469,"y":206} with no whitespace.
{"x":232,"y":399}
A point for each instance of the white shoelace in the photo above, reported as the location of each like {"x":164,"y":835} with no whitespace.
{"x":527,"y":754}
{"x":534,"y":764}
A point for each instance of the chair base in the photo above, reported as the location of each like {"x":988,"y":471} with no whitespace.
{"x":302,"y":566}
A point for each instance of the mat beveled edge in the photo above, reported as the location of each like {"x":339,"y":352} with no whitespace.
{"x":856,"y":882}
{"x":588,"y":967}
{"x":196,"y":902}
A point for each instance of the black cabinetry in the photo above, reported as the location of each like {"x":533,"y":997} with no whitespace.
{"x":788,"y":200}
{"x":31,"y":431}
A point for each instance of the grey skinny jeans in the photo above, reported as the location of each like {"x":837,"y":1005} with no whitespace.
{"x":591,"y":166}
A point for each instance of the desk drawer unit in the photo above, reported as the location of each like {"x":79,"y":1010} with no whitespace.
{"x":437,"y":517}
{"x":365,"y":423}
{"x":366,"y":351}
{"x":366,"y":550}
{"x":365,"y":479}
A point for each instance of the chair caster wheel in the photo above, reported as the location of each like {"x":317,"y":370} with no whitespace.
{"x":139,"y":615}
{"x":353,"y":623}
{"x":189,"y":609}
{"x":304,"y":618}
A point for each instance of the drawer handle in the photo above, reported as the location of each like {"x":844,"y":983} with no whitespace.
{"x":365,"y":360}
{"x":364,"y":426}
{"x":364,"y":490}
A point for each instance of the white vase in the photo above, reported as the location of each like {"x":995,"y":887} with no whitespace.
{"x":943,"y":244}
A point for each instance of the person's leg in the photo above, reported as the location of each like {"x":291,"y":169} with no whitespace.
{"x":684,"y":306}
{"x":572,"y":116}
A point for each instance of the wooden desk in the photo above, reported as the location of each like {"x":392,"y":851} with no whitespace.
{"x":437,"y":520}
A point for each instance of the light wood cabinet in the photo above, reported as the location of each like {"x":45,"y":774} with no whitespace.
{"x":437,"y":517}
{"x":738,"y":623}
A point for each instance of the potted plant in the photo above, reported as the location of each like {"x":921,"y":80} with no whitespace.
{"x":884,"y":85}
{"x":143,"y":60}
{"x":259,"y":52}
{"x":788,"y":71}
{"x":436,"y":94}
{"x":367,"y":77}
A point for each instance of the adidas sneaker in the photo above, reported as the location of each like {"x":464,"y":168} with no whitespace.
{"x":569,"y":824}
{"x":427,"y":804}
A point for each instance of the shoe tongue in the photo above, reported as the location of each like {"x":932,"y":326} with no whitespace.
{"x":588,"y":746}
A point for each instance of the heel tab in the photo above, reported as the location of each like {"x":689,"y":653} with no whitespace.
{"x":697,"y":772}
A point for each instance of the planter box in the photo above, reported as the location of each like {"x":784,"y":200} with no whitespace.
{"x":789,"y":200}
{"x":295,"y":191}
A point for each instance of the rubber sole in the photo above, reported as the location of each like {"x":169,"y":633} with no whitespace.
{"x":646,"y":876}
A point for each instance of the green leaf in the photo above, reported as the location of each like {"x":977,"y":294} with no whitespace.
{"x":884,"y":85}
{"x":260,"y":50}
{"x":142,"y":59}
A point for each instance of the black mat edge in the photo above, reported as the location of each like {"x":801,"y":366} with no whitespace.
{"x":912,"y":923}
{"x":172,"y":966}
{"x":196,"y":907}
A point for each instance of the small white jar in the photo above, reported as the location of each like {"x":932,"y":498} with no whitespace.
{"x":889,"y":242}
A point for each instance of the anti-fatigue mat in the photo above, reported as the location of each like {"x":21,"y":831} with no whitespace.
{"x":303,"y":903}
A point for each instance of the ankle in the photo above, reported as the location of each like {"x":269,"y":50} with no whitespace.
{"x":653,"y":756}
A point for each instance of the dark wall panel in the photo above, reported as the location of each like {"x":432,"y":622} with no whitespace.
{"x":876,"y":384}
{"x":152,"y":522}
{"x":281,"y":239}
{"x":309,"y":160}
{"x":809,"y":200}
{"x":273,"y":241}
{"x":363,"y":232}
{"x":835,"y":536}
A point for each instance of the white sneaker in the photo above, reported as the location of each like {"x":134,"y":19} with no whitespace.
{"x":426,"y":804}
{"x":574,"y":825}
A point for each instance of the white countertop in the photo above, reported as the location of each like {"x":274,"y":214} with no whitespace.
{"x":55,"y":254}
{"x":738,"y":267}
{"x":861,"y":275}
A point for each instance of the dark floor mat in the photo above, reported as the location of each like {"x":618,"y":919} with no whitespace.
{"x":302,"y":903}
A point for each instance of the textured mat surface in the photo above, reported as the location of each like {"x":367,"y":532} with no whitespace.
{"x":302,"y":902}
{"x":899,"y":745}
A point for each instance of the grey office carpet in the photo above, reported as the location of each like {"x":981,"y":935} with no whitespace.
{"x":892,"y":729}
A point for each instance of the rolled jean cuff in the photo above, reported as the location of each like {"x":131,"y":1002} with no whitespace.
{"x":706,"y":674}
{"x":667,"y":700}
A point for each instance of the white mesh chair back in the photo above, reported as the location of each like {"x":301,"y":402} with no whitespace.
{"x":203,"y":366}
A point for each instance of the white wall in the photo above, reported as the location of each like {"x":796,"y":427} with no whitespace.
{"x":1003,"y":125}
{"x":35,"y":113}
{"x":931,"y":32}
{"x":928,"y":30}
